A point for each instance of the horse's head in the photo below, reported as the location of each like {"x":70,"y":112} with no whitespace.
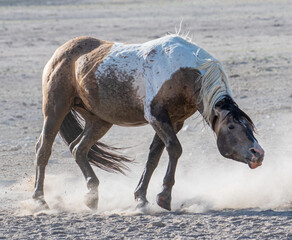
{"x":234,"y":130}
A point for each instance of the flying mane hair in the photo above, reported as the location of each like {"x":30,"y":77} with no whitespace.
{"x":214,"y":86}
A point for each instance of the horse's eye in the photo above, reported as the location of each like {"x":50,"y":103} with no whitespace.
{"x":231,"y":126}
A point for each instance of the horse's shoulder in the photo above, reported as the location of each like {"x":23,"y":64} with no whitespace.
{"x":178,"y":95}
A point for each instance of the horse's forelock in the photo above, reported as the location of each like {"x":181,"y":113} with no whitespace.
{"x":237,"y":114}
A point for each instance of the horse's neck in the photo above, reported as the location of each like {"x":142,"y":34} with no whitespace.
{"x":199,"y":102}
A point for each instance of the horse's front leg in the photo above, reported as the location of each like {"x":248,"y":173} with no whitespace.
{"x":156,"y":149}
{"x":167,"y":133}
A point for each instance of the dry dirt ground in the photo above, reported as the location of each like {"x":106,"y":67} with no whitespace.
{"x":214,"y":198}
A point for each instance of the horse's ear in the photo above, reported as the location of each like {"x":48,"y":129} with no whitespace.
{"x":218,"y":108}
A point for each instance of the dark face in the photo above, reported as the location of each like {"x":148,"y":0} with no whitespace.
{"x":235,"y":139}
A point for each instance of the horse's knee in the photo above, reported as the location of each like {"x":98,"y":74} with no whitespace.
{"x":174,"y":149}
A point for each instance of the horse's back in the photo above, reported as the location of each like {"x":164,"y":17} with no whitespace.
{"x":118,"y":81}
{"x":76,"y":47}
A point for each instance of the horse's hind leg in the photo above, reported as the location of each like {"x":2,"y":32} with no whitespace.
{"x":51,"y":126}
{"x":58,"y":93}
{"x":94,"y":129}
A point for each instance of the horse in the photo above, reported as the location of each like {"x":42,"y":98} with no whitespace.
{"x":89,"y":85}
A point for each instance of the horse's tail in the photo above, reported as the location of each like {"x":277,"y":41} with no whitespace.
{"x":100,"y":154}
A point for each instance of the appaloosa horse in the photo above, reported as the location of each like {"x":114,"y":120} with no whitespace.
{"x":89,"y":85}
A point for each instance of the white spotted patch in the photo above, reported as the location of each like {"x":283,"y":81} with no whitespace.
{"x":152,"y":63}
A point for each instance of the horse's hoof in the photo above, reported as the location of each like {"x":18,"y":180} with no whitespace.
{"x":41,"y":204}
{"x":164,"y":201}
{"x":141,"y":203}
{"x":91,"y":200}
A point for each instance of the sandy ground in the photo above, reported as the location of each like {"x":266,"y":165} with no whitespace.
{"x":213,"y":198}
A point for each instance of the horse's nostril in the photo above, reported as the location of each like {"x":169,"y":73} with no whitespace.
{"x":257,"y":151}
{"x":253,"y":151}
{"x":258,"y":155}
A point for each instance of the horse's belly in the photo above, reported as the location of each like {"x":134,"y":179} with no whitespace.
{"x":121,"y":111}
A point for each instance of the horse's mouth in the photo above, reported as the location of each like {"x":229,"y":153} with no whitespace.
{"x":253,"y":164}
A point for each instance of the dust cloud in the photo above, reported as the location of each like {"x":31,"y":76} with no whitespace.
{"x":212,"y":183}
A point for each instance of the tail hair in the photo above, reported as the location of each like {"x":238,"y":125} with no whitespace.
{"x":100,"y":154}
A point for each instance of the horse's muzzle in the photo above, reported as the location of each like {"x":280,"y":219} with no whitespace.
{"x":257,"y":156}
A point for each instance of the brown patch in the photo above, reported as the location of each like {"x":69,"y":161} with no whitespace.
{"x":178,"y":96}
{"x":85,"y":71}
{"x":119,"y":101}
{"x":152,"y":53}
